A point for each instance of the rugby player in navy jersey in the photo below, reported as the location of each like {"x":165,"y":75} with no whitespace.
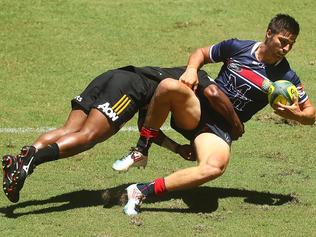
{"x":108,"y":102}
{"x":246,"y":66}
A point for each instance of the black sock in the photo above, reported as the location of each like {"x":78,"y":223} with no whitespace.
{"x":143,"y":145}
{"x":49,"y":153}
{"x":155,"y":188}
{"x":147,"y":135}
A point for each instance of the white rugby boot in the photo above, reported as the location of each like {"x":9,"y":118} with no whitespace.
{"x":135,"y":198}
{"x":134,"y":159}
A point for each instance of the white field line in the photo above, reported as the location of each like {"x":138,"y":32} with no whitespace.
{"x":45,"y":129}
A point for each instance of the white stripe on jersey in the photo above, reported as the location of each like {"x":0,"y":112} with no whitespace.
{"x":212,"y":60}
{"x":255,"y":46}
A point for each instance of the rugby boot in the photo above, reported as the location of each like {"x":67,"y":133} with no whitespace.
{"x":133,"y":159}
{"x":9,"y":167}
{"x":135,"y":198}
{"x":24,"y":168}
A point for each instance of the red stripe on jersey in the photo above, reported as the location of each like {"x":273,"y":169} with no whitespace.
{"x":252,"y":77}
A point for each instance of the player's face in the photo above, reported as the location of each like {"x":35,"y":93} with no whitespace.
{"x":279,"y":44}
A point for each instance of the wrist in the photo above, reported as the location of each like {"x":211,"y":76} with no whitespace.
{"x":177,"y":149}
{"x":191,"y":68}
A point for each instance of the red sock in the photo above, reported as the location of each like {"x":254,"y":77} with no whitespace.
{"x":159,"y":186}
{"x":149,"y":132}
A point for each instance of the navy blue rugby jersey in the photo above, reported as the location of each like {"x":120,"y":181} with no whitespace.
{"x":242,"y":75}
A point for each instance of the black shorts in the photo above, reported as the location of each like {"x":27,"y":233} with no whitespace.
{"x":120,"y":93}
{"x":210,"y":122}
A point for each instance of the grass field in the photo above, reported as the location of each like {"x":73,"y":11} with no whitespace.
{"x":50,"y":50}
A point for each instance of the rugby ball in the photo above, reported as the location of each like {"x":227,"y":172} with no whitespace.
{"x":282,"y":91}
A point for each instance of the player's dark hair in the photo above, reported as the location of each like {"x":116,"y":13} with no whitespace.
{"x":283,"y":22}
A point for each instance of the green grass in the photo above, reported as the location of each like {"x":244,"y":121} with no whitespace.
{"x":50,"y":50}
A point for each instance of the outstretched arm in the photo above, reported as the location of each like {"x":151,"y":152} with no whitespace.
{"x":186,"y":151}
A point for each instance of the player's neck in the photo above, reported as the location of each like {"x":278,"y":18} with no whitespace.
{"x":263,"y":55}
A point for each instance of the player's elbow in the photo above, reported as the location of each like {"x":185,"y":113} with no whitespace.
{"x":309,"y":121}
{"x":308,"y":118}
{"x":212,"y":93}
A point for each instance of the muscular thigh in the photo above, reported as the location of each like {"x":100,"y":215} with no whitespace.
{"x":212,"y":150}
{"x":75,"y":121}
{"x":185,"y":107}
{"x":98,"y":126}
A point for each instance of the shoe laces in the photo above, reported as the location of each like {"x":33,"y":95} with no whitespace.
{"x":138,"y":195}
{"x":25,"y":151}
{"x":131,"y":150}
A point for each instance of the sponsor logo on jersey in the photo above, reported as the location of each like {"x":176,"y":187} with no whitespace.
{"x":233,"y":66}
{"x":114,"y":111}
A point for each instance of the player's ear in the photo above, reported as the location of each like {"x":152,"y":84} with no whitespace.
{"x":269,"y":34}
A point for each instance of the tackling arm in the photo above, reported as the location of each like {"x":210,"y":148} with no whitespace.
{"x":222,"y":105}
{"x":185,"y":151}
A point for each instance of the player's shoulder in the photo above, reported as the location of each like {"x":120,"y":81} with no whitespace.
{"x":282,"y":70}
{"x":240,"y":43}
{"x":235,"y":45}
{"x":282,"y":66}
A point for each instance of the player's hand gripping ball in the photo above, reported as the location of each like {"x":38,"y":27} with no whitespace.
{"x":282,"y":91}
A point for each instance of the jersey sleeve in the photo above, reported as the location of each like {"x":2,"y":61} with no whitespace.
{"x":221,"y":51}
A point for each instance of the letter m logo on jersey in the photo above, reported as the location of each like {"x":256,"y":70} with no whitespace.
{"x":237,"y":94}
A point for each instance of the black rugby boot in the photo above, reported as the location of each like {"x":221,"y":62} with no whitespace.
{"x":9,"y":167}
{"x":24,"y":168}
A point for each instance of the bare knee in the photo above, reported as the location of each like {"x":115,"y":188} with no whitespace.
{"x":212,"y":91}
{"x":50,"y":137}
{"x":209,"y":171}
{"x":175,"y":93}
{"x":168,"y":86}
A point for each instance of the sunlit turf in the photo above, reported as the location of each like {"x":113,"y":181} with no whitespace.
{"x":50,"y":50}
